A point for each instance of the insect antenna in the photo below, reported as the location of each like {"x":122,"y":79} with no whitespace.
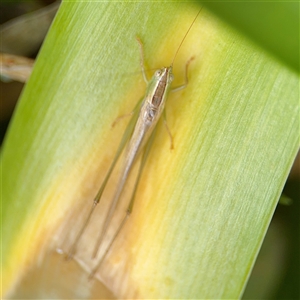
{"x":184,"y":37}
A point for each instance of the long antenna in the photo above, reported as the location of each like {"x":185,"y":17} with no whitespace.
{"x":186,"y":35}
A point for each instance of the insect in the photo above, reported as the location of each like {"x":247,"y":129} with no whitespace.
{"x":138,"y":137}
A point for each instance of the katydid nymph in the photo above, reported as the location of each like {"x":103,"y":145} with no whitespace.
{"x":137,"y":139}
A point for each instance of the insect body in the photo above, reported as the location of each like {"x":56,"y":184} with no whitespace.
{"x":139,"y":134}
{"x":150,"y":112}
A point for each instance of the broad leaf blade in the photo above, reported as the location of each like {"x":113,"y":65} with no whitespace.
{"x":202,"y":209}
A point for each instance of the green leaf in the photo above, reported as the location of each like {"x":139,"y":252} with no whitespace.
{"x":274,"y":25}
{"x":202,"y":209}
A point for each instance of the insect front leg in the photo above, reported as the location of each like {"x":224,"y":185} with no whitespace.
{"x":142,"y":61}
{"x":186,"y":81}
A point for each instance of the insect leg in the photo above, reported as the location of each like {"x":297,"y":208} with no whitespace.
{"x":186,"y":81}
{"x":142,"y":62}
{"x":168,"y":129}
{"x":130,"y":207}
{"x":97,"y":198}
{"x":121,"y":118}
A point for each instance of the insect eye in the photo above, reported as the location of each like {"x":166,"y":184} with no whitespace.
{"x":158,"y":73}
